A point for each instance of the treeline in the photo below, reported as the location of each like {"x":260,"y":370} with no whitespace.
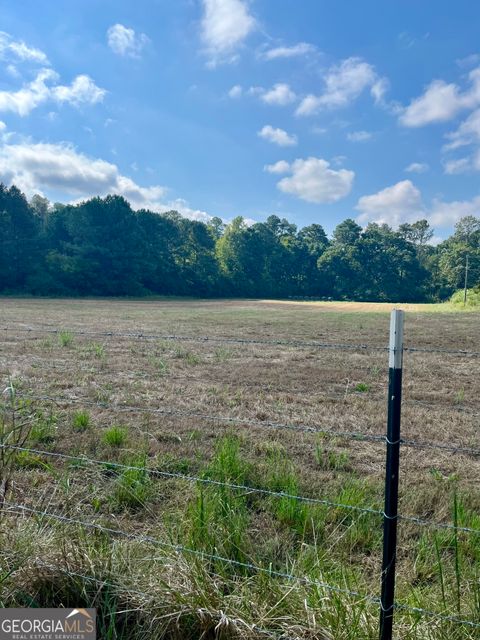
{"x":102,"y":247}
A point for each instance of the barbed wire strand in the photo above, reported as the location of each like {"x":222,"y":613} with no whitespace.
{"x":128,"y":591}
{"x":354,"y":435}
{"x":189,"y":478}
{"x":178,"y":548}
{"x":11,"y":507}
{"x":202,"y":339}
{"x":45,"y":365}
{"x":168,"y":411}
{"x":254,"y":627}
{"x":242,"y":487}
{"x":235,"y":340}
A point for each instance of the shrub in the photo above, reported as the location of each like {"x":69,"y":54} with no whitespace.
{"x":473,"y":298}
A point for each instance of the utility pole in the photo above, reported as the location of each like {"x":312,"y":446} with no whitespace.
{"x":466,"y":283}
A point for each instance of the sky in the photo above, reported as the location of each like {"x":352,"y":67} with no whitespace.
{"x":313,"y":110}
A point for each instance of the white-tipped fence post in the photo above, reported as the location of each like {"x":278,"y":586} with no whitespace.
{"x":391,"y":474}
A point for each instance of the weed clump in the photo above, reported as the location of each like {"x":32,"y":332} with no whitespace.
{"x":133,"y":487}
{"x":43,"y":428}
{"x":81,"y":421}
{"x":115,"y":436}
{"x":65,"y":338}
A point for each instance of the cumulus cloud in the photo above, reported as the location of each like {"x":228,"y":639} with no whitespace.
{"x":393,"y":205}
{"x":446,"y":214}
{"x":280,"y":94}
{"x":442,"y":101}
{"x":225,"y":25}
{"x":344,"y":83}
{"x":403,"y":202}
{"x":313,"y":180}
{"x":17,"y":50}
{"x":44,"y":88}
{"x":359,"y":136}
{"x":40,"y":167}
{"x":300,"y":49}
{"x":235,"y":92}
{"x":282,"y":166}
{"x":37,"y":166}
{"x":125,"y":42}
{"x":417,"y":167}
{"x":277,"y":136}
{"x":184,"y":209}
{"x":82,"y":90}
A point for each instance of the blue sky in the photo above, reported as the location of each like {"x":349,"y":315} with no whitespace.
{"x":312,"y":110}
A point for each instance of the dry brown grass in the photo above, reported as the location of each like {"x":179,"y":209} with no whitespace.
{"x":263,"y":383}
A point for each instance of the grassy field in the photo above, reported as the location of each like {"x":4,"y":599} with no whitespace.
{"x":160,"y":580}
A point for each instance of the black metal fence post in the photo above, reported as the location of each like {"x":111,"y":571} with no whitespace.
{"x":391,"y":474}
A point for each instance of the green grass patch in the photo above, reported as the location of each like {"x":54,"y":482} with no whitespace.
{"x":65,"y":338}
{"x":115,"y":436}
{"x":81,"y":421}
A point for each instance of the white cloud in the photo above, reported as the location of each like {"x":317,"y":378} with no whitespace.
{"x":359,"y":136}
{"x":37,"y":166}
{"x":225,"y":25}
{"x":18,"y":50}
{"x":446,"y":214}
{"x":343,"y":84}
{"x":459,"y":165}
{"x":277,"y":136}
{"x":282,"y":166}
{"x":37,"y":92}
{"x":182,"y":206}
{"x":3,"y":135}
{"x":82,"y":90}
{"x":469,"y":61}
{"x":30,"y":96}
{"x":313,"y":180}
{"x":467,"y":133}
{"x":125,"y":42}
{"x":12,"y":71}
{"x":378,"y":91}
{"x":399,"y":203}
{"x":300,"y":49}
{"x":319,"y":131}
{"x":280,"y":94}
{"x":403,"y":202}
{"x":40,"y":167}
{"x":442,"y":101}
{"x":417,"y":167}
{"x":236,"y":91}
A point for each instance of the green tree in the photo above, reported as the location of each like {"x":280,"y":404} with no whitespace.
{"x":19,"y":240}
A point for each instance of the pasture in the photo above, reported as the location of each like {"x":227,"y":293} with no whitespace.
{"x":227,"y":463}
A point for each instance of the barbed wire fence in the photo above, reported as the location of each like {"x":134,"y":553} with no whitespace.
{"x":388,"y":516}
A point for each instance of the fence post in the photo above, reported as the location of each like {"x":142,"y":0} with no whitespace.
{"x":391,"y":474}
